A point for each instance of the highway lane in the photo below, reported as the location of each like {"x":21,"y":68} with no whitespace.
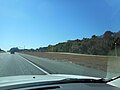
{"x":22,"y":64}
{"x":14,"y":64}
{"x":62,"y":67}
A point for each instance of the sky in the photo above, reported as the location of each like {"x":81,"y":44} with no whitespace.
{"x":39,"y":23}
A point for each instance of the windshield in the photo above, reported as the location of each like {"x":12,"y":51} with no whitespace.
{"x":74,"y":37}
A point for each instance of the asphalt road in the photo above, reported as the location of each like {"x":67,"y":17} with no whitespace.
{"x":21,"y":64}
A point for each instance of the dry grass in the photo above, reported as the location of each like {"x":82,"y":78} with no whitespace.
{"x":91,"y":61}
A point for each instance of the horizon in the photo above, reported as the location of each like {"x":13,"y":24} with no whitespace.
{"x":39,"y":23}
{"x":50,"y":44}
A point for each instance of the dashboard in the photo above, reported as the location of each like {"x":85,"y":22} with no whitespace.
{"x":66,"y":86}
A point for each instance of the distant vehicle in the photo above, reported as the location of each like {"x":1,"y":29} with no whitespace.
{"x":12,"y":52}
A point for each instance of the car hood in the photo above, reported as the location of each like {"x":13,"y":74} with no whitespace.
{"x":22,"y":79}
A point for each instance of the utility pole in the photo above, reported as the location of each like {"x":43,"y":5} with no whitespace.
{"x":116,"y":49}
{"x":24,"y":47}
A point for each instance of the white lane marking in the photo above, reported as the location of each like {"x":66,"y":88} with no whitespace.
{"x":37,"y":67}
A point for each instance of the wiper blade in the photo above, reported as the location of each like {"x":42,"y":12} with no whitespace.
{"x":113,"y":79}
{"x":72,"y":80}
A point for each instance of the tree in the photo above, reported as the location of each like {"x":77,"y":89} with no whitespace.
{"x":1,"y":50}
{"x":107,"y":35}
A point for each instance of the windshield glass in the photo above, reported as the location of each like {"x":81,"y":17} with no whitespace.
{"x":74,"y":37}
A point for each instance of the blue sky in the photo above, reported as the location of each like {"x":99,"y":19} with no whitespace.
{"x":38,"y":23}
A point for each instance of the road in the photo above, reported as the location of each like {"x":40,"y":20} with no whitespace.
{"x":22,"y":64}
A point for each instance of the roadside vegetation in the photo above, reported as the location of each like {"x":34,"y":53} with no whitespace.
{"x":106,"y":44}
{"x":96,"y":45}
{"x":1,"y":51}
